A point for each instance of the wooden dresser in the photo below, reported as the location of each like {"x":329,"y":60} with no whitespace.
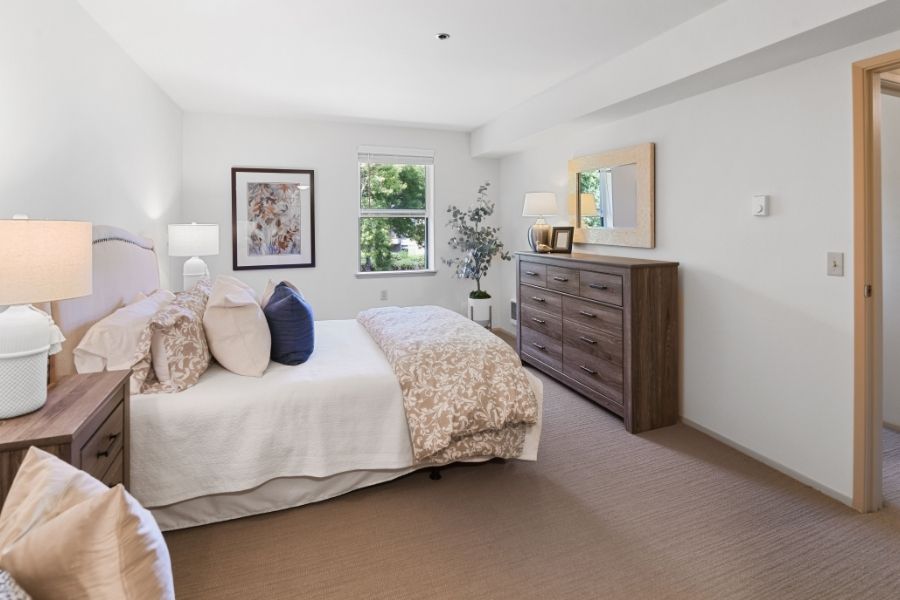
{"x":605,"y":326}
{"x":84,"y":422}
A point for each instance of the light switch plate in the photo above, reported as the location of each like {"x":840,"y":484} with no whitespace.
{"x":836,"y":264}
{"x":760,"y":206}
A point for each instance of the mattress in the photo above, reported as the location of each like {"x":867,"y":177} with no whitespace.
{"x":233,"y":446}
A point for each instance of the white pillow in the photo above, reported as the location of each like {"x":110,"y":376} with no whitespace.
{"x":236,"y":328}
{"x":81,"y":540}
{"x":112,"y":343}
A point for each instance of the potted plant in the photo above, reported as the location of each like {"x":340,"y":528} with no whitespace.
{"x":477,"y":244}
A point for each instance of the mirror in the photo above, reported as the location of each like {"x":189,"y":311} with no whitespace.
{"x":611,"y":197}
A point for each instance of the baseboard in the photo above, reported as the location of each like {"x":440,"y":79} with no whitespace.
{"x":891,"y":426}
{"x":831,"y":493}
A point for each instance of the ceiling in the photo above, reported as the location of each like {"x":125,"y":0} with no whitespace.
{"x":376,"y":61}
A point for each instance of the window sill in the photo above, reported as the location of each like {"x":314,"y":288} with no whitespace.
{"x":367,"y":274}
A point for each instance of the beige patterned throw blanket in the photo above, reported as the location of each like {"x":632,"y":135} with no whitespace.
{"x":464,"y":389}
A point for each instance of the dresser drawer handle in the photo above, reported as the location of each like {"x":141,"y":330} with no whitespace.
{"x":586,"y":370}
{"x":538,"y":299}
{"x":598,"y":286}
{"x":538,"y":346}
{"x":539,"y":321}
{"x":587,"y":314}
{"x":532,"y":273}
{"x":587,"y":339}
{"x":112,"y":442}
{"x":563,"y":279}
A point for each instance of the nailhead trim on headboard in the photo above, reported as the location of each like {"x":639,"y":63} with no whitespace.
{"x":118,"y":239}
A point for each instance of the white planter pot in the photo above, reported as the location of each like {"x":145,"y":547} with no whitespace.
{"x":480,"y":311}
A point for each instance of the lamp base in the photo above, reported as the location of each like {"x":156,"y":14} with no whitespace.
{"x":24,"y":336}
{"x":194,"y":270}
{"x":539,"y":235}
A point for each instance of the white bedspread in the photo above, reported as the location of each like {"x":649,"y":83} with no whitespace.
{"x":340,"y":411}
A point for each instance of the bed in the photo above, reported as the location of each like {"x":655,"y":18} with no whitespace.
{"x":233,"y":446}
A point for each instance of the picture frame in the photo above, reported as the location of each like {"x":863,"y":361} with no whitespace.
{"x":561,"y":240}
{"x":272,"y":218}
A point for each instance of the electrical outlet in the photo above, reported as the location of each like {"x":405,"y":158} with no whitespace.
{"x":836,"y":264}
{"x":383,"y":295}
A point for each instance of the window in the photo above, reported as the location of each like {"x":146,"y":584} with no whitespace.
{"x":395,"y":210}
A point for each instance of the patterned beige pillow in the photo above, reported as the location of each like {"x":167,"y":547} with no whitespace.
{"x":181,"y":343}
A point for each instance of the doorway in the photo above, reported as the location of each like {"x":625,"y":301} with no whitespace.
{"x":868,"y":282}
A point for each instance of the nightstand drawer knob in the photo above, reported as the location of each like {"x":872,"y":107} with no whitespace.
{"x":112,"y":442}
{"x":597,"y":286}
{"x":538,"y":346}
{"x":538,"y":321}
{"x":586,"y":314}
{"x":538,"y":299}
{"x":586,"y":370}
{"x":563,"y":279}
{"x":532,"y":273}
{"x":587,"y":339}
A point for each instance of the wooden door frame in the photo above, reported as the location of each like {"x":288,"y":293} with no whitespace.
{"x":867,"y":279}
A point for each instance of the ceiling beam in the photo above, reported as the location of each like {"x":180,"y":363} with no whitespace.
{"x":732,"y":41}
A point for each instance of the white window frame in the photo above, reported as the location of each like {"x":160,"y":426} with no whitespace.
{"x":390,"y":155}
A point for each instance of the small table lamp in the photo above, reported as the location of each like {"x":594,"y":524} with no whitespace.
{"x":40,"y":261}
{"x":194,"y":240}
{"x":540,"y":205}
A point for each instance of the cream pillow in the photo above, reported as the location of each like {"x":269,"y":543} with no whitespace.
{"x":108,"y":546}
{"x":236,"y":328}
{"x":43,"y":488}
{"x":66,"y":535}
{"x":112,"y":343}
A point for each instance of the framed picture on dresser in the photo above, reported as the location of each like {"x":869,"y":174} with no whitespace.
{"x":561,"y":240}
{"x":272,"y":218}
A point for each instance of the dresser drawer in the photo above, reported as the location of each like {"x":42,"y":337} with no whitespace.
{"x":543,"y":300}
{"x":116,"y":472}
{"x":542,"y":347}
{"x":545,"y":323}
{"x":595,"y":373}
{"x":533,"y":273}
{"x":591,"y":314}
{"x":100,"y":451}
{"x":562,"y":279}
{"x":603,"y":287}
{"x":598,"y":344}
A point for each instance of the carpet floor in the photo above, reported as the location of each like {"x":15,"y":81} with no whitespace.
{"x":666,"y":514}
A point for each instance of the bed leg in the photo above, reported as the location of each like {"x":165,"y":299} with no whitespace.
{"x":435,"y":474}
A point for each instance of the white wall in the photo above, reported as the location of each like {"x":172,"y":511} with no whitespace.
{"x":890,"y":194}
{"x":766,"y":335}
{"x":214,"y":144}
{"x":85,"y":133}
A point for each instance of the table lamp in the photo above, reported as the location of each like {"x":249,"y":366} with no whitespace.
{"x":193,"y":240}
{"x":540,"y":205}
{"x":40,"y":261}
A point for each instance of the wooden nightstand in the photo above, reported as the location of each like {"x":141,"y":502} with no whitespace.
{"x":85,"y":423}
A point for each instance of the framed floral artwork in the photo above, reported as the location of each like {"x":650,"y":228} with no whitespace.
{"x":272,"y":218}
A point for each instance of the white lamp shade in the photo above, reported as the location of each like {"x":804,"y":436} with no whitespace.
{"x":539,"y":204}
{"x":193,"y":239}
{"x":588,"y":205}
{"x":41,"y":261}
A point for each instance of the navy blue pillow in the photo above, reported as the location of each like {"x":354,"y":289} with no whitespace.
{"x":291,"y":324}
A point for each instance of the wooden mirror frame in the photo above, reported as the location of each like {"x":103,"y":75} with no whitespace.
{"x":642,"y":236}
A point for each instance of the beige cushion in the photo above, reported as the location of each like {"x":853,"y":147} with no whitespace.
{"x":79,"y":539}
{"x":181,"y":343}
{"x":43,"y":488}
{"x":111,"y":344}
{"x":270,"y":289}
{"x":236,"y":328}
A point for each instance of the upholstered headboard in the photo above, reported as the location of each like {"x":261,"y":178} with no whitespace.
{"x":124,"y":265}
